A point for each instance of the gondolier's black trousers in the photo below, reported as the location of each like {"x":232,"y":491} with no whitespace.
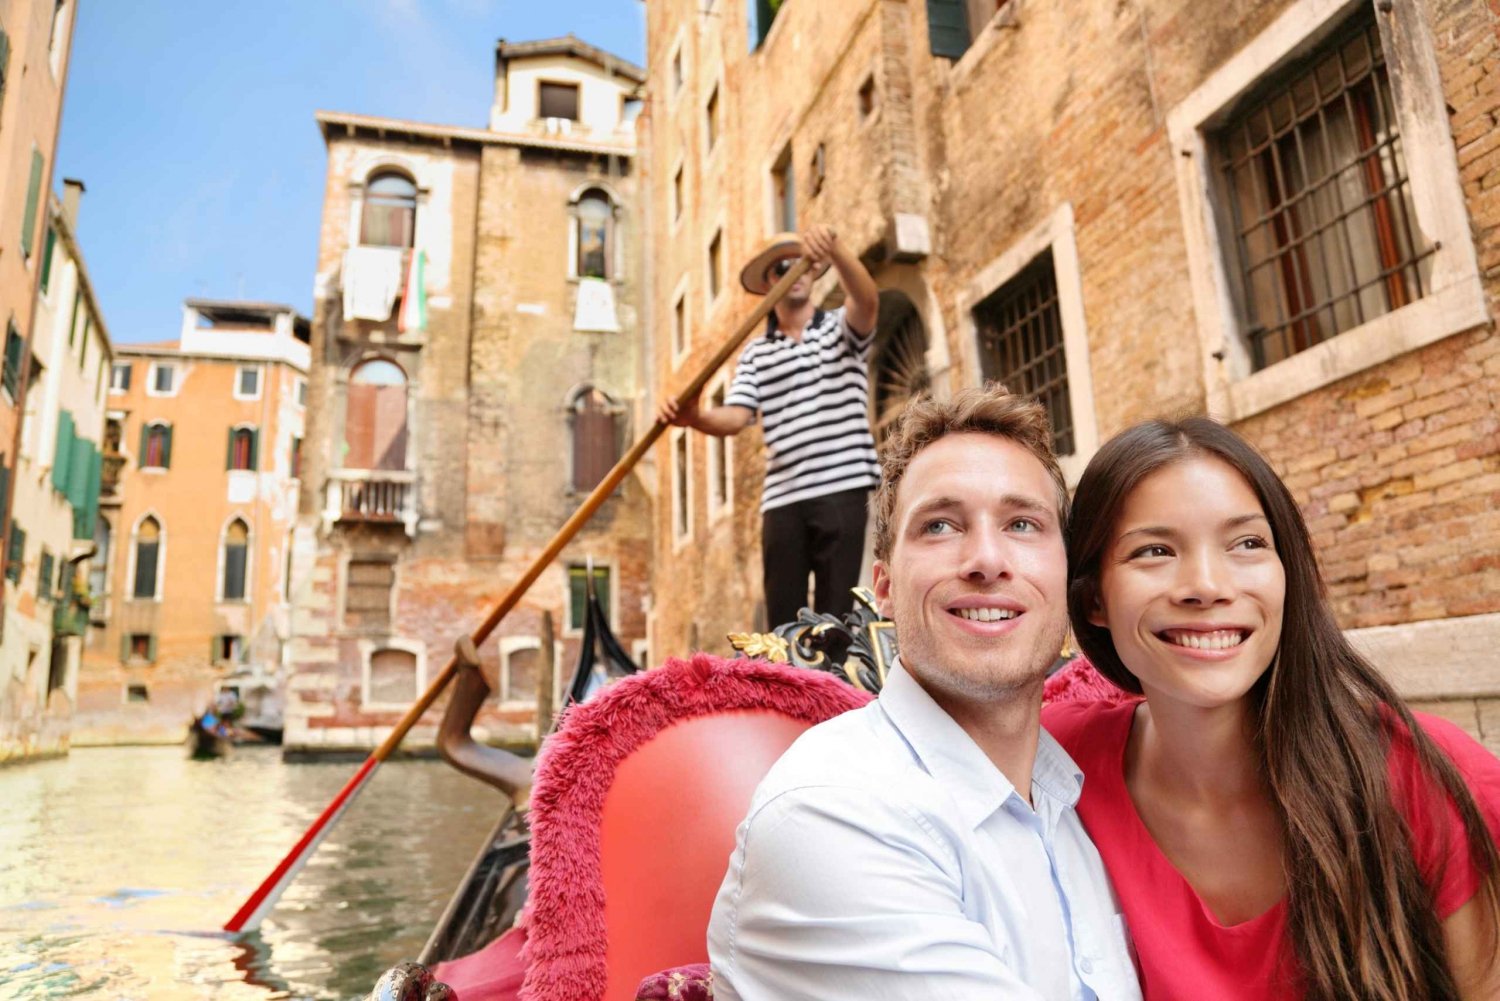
{"x":824,"y":536}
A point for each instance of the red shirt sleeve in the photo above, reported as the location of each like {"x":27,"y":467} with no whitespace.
{"x":1439,"y":840}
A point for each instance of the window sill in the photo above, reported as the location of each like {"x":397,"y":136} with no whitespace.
{"x":1441,"y":315}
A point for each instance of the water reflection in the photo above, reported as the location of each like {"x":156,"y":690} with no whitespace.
{"x":118,"y":865}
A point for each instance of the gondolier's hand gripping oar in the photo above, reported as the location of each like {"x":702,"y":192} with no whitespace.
{"x":259,"y":904}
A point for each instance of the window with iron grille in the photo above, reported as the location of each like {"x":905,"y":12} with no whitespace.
{"x":1323,"y":228}
{"x":1021,"y":344}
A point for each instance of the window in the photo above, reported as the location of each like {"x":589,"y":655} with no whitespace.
{"x":1021,"y":344}
{"x":393,"y":677}
{"x":235,"y":559}
{"x":156,"y":446}
{"x":578,"y":576}
{"x":140,"y":648}
{"x":596,"y":438}
{"x":677,"y":199}
{"x":557,"y":100}
{"x":784,"y":193}
{"x":244,"y":449}
{"x":682,"y":482}
{"x":1315,"y":179}
{"x":630,"y":110}
{"x":593,"y":220}
{"x":15,"y":556}
{"x":389,"y":218}
{"x":14,"y":351}
{"x":99,"y":565}
{"x":953,"y":24}
{"x":247,"y":383}
{"x":866,"y":98}
{"x":57,"y":669}
{"x":228,"y":649}
{"x":47,"y":247}
{"x":119,"y":377}
{"x":301,"y":392}
{"x":375,"y":417}
{"x":719,"y":462}
{"x":520,"y":668}
{"x":44,"y":576}
{"x":680,"y":335}
{"x":147,"y":558}
{"x":762,"y":12}
{"x":136,"y":693}
{"x":715,"y":265}
{"x":33,"y":196}
{"x":367,"y":593}
{"x":711,"y":120}
{"x":163,"y":379}
{"x":296,"y":459}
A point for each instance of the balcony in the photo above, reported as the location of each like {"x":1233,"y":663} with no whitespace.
{"x":372,"y":496}
{"x":69,"y":618}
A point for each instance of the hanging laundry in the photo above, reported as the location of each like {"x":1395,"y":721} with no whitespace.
{"x":371,"y":279}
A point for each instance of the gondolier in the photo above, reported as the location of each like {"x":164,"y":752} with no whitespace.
{"x":806,"y":380}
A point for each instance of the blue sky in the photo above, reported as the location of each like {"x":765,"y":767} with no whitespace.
{"x":191,"y":125}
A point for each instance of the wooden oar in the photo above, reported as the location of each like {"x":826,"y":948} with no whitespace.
{"x":259,"y":904}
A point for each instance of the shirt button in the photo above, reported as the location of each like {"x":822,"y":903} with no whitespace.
{"x":1086,"y":965}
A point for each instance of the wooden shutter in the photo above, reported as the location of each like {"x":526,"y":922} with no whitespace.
{"x":166,"y":447}
{"x":229,"y":450}
{"x":145,"y":569}
{"x":47,"y":245}
{"x":254,"y":448}
{"x":359,"y":427}
{"x":593,"y":442}
{"x":948,"y":27}
{"x":33,"y":193}
{"x":62,"y":454}
{"x":16,"y":553}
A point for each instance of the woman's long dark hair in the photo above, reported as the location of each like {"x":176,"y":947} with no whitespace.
{"x":1360,"y":915}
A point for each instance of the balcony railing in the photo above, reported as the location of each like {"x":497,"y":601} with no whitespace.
{"x":372,"y":495}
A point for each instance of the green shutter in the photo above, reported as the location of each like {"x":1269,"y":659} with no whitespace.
{"x":33,"y":194}
{"x":73,"y":323}
{"x":78,"y":477}
{"x":255,"y":448}
{"x":229,"y":451}
{"x":11,"y":375}
{"x":948,"y":27}
{"x":124,"y":647}
{"x":166,"y":447}
{"x":85,"y":517}
{"x":15,"y":553}
{"x":151,"y":648}
{"x":62,"y":456}
{"x":140,"y":458}
{"x":44,"y":575}
{"x":4,"y":59}
{"x":4,"y":490}
{"x":47,"y":246}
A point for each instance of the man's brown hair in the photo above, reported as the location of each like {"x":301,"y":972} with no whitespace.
{"x":990,"y":409}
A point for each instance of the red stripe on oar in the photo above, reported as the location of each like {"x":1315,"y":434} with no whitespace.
{"x":266,"y":893}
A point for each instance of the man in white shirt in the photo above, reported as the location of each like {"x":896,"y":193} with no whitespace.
{"x":926,"y":846}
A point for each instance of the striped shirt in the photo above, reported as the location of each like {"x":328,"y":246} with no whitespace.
{"x":812,"y":396}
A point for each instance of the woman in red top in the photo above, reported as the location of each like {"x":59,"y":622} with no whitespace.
{"x":1275,"y":820}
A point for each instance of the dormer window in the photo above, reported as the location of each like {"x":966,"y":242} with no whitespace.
{"x":557,"y":100}
{"x":390,"y":211}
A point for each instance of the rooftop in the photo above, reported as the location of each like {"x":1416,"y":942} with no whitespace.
{"x":570,"y":45}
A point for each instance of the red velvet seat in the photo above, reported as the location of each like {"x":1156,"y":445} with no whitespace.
{"x":634,"y":810}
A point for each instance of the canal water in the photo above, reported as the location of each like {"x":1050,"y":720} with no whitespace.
{"x":118,"y":865}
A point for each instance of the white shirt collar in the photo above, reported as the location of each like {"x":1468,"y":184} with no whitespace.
{"x":950,"y":755}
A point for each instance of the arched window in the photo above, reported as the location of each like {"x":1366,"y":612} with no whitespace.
{"x":596,"y":438}
{"x":147,"y":558}
{"x":390,"y":211}
{"x":156,"y":445}
{"x":244,"y":446}
{"x":375,"y":417}
{"x":236,"y":558}
{"x":593,"y":223}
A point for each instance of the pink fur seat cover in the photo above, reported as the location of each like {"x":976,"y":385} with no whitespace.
{"x":565,"y":949}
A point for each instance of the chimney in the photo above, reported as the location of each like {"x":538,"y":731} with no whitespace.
{"x":72,"y":191}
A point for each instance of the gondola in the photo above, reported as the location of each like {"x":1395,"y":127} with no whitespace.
{"x":209,"y":737}
{"x":855,"y":648}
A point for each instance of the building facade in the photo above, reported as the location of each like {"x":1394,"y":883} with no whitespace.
{"x":35,"y":41}
{"x":54,"y":497}
{"x":1284,"y":214}
{"x":476,"y":370}
{"x":202,"y":446}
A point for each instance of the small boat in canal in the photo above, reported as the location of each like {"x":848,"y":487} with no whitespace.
{"x":209,"y":736}
{"x":635,"y":798}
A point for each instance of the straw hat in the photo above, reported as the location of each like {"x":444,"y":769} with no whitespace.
{"x":780,"y":247}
